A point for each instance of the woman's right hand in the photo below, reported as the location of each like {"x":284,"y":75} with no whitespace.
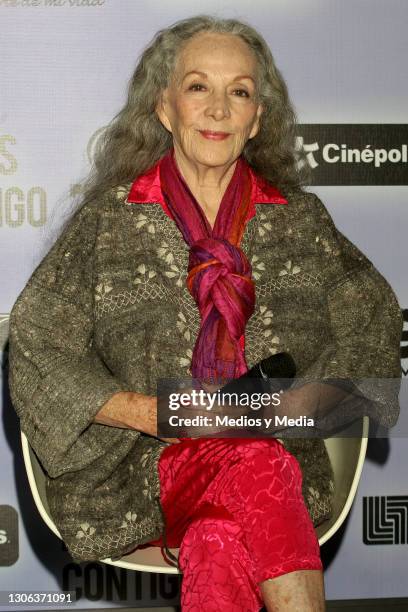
{"x":144,"y":408}
{"x":130,"y":410}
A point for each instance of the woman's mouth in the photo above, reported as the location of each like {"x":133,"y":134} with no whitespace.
{"x":214,"y":135}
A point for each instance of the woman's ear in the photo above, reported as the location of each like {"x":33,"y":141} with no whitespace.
{"x":161,"y":110}
{"x":255,"y":127}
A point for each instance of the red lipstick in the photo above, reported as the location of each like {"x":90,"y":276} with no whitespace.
{"x":214,"y":135}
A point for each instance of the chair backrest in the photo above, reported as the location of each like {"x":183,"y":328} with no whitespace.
{"x":346,"y":454}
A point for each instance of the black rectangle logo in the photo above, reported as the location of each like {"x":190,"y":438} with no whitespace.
{"x":354,"y":154}
{"x":9,"y":548}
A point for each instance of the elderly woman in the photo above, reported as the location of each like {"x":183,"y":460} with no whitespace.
{"x":196,"y":179}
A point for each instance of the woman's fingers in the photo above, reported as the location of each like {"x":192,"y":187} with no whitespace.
{"x":171,"y":440}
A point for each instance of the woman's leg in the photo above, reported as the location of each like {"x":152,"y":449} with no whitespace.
{"x":269,"y":487}
{"x":259,"y":483}
{"x":217,"y":570}
{"x":301,"y":590}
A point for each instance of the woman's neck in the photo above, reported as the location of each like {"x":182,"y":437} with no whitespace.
{"x":207,"y":184}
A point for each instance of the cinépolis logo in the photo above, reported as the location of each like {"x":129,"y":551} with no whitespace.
{"x":354,"y":154}
{"x":18,"y":205}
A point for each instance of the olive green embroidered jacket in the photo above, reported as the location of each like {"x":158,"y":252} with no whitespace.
{"x":107,"y":310}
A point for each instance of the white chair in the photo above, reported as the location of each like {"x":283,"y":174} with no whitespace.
{"x":346,"y":454}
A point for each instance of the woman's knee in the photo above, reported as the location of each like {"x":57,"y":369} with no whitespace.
{"x":208,"y":537}
{"x":260,"y":463}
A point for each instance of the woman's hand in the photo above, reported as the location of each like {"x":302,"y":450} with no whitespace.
{"x":144,"y":414}
{"x":170,"y":440}
{"x":311,"y":400}
{"x":130,"y":410}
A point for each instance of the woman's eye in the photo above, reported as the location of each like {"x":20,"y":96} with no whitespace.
{"x":242,"y":93}
{"x":196,"y":87}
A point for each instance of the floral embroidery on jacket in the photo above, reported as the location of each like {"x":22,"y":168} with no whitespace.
{"x":142,"y":220}
{"x":289,"y":269}
{"x":182,"y":325}
{"x":85,"y":531}
{"x":165,"y":253}
{"x":144,"y":274}
{"x":176,"y":273}
{"x":257,"y":267}
{"x":185,"y":361}
{"x":130,"y":517}
{"x":102,"y":289}
{"x":264,"y":225}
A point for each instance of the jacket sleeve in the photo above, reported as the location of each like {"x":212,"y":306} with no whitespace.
{"x":366,"y":326}
{"x":57,"y":381}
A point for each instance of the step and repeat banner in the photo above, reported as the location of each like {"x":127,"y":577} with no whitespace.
{"x":64,"y":70}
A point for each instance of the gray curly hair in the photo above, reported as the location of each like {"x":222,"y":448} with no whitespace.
{"x":135,"y":139}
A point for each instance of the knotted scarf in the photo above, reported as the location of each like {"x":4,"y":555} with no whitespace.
{"x":219,"y":273}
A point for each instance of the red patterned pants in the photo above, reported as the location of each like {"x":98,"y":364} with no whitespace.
{"x":235,"y":508}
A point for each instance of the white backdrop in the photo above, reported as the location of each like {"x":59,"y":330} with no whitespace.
{"x":64,"y":69}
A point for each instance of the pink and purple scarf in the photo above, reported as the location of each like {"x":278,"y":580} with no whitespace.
{"x":219,"y":273}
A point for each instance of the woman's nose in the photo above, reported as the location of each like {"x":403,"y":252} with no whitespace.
{"x":218,"y":106}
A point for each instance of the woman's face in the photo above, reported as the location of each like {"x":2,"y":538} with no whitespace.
{"x":210,"y":106}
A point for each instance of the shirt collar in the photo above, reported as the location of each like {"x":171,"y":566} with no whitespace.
{"x":146,"y":189}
